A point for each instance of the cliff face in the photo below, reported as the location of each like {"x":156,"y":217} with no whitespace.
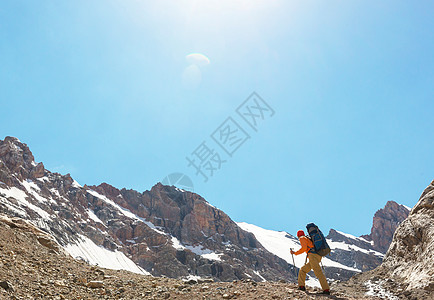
{"x":366,"y":252}
{"x":164,"y":231}
{"x":199,"y":238}
{"x":410,"y":259}
{"x":385,"y":222}
{"x":407,"y":270}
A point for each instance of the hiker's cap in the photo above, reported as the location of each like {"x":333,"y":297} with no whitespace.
{"x":300,"y":233}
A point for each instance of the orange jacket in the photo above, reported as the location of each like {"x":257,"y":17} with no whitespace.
{"x":306,"y":245}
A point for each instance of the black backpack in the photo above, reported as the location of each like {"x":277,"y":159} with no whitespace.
{"x":319,"y":242}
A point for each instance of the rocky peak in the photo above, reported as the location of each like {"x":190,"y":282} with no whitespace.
{"x":385,"y":222}
{"x":14,"y":153}
{"x":106,"y":189}
{"x":411,"y":253}
{"x":17,"y":162}
{"x":166,"y":231}
{"x":407,"y":270}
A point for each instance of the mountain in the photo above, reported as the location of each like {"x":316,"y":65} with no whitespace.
{"x":385,"y":222}
{"x":407,"y":270}
{"x":355,"y":252}
{"x":164,"y":231}
{"x":366,"y":252}
{"x":34,"y":266}
{"x":350,"y":255}
{"x":409,"y":262}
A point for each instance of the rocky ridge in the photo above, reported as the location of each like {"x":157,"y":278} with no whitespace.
{"x":410,"y":257}
{"x":407,"y":271}
{"x":367,"y":251}
{"x":384,"y":224}
{"x":164,"y":231}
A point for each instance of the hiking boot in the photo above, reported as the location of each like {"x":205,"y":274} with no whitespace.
{"x":301,"y":288}
{"x":326,"y":292}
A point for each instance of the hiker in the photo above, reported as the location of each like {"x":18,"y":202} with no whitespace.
{"x":313,"y":263}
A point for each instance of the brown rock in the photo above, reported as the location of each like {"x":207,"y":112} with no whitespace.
{"x":6,"y":285}
{"x":95,"y":284}
{"x":48,"y":242}
{"x":38,"y":171}
{"x":385,"y":222}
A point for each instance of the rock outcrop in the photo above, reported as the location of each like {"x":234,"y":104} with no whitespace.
{"x":407,"y":270}
{"x":366,"y":252}
{"x":384,"y":224}
{"x":410,"y":258}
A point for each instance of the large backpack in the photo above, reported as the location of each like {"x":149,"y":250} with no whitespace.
{"x":319,"y":242}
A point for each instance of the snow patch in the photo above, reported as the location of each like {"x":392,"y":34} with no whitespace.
{"x":13,"y":207}
{"x":347,"y":247}
{"x":408,"y":208}
{"x":85,"y":248}
{"x":205,"y":253}
{"x":260,"y":276}
{"x":43,"y":179}
{"x":21,"y":196}
{"x":76,"y":184}
{"x":192,"y":277}
{"x":55,"y":192}
{"x":28,"y":184}
{"x":198,"y":250}
{"x":366,"y":241}
{"x":176,"y":243}
{"x":33,"y":190}
{"x":93,"y":217}
{"x":125,"y":211}
{"x":376,"y":290}
{"x":212,"y":256}
{"x":350,"y":236}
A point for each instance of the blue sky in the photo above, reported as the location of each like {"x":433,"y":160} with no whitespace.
{"x":103,"y":90}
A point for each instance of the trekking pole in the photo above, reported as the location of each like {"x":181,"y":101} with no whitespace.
{"x":293,"y":261}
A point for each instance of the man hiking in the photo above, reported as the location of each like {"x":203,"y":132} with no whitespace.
{"x":313,"y":263}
